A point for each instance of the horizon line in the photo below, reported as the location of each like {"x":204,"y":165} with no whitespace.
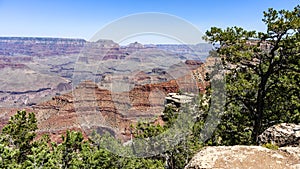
{"x":74,"y":38}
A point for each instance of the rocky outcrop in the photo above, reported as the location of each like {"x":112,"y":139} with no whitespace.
{"x":284,"y":134}
{"x":243,"y":157}
{"x":177,"y":100}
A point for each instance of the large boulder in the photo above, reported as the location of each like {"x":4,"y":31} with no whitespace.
{"x":244,"y":157}
{"x":284,"y":134}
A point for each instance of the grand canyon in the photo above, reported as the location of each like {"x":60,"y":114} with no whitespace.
{"x":74,"y":84}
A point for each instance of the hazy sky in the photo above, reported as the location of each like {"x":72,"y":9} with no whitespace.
{"x":83,"y":18}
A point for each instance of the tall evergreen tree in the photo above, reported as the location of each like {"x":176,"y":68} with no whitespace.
{"x":262,"y":73}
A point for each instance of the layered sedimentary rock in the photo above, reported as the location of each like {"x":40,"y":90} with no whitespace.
{"x":88,"y":107}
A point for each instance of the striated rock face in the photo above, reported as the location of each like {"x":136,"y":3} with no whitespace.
{"x":284,"y":134}
{"x":89,"y":107}
{"x":243,"y":157}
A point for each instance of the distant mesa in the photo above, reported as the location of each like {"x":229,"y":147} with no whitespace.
{"x":136,"y":45}
{"x":107,"y":43}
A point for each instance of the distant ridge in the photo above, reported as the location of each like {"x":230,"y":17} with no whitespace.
{"x":39,"y":46}
{"x":3,"y":38}
{"x":40,"y":38}
{"x":53,"y":46}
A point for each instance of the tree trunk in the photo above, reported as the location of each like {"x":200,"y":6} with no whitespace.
{"x":259,"y":109}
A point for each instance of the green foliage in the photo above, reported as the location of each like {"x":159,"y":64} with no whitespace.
{"x":169,"y":117}
{"x":177,"y":155}
{"x":271,"y":146}
{"x":145,"y":130}
{"x":8,"y":157}
{"x":20,"y":149}
{"x":70,"y":148}
{"x":19,"y":134}
{"x":41,"y":156}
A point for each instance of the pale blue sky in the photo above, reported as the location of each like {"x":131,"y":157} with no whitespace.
{"x":83,"y":18}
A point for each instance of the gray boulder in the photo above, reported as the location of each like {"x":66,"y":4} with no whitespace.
{"x":284,"y":134}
